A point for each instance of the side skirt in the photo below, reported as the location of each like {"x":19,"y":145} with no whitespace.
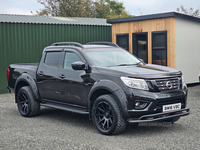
{"x":66,"y":107}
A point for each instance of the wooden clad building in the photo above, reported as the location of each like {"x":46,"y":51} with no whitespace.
{"x":170,"y":39}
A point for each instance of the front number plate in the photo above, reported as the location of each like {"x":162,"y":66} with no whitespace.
{"x":171,"y":107}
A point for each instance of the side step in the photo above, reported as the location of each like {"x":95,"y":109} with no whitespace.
{"x":65,"y":107}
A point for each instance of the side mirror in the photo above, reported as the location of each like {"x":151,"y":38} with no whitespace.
{"x":78,"y":65}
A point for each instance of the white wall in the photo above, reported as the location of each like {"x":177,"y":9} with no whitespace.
{"x":188,"y":49}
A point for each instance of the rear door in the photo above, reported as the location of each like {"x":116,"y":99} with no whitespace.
{"x":47,"y":74}
{"x":72,"y":85}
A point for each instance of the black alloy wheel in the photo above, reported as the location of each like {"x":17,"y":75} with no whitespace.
{"x":26,"y":103}
{"x":23,"y":103}
{"x":106,"y":115}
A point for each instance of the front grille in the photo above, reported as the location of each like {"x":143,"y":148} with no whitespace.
{"x":168,"y":84}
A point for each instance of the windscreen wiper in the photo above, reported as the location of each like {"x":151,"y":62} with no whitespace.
{"x":140,"y":63}
{"x":123,"y":65}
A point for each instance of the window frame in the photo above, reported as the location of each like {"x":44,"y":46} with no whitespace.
{"x":124,"y":34}
{"x":165,"y":40}
{"x":159,"y":48}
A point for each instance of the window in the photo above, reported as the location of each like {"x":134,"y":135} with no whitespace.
{"x":112,"y":58}
{"x":123,"y":41}
{"x":52,"y":59}
{"x":70,"y":57}
{"x":159,"y":48}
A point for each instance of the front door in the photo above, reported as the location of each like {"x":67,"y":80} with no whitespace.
{"x":140,"y":45}
{"x":72,"y":87}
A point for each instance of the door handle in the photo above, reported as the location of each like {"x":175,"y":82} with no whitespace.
{"x":40,"y":73}
{"x":62,"y":76}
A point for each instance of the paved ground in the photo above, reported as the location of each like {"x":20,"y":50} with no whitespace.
{"x":56,"y":129}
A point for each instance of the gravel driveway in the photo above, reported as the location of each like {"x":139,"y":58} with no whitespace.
{"x":56,"y":129}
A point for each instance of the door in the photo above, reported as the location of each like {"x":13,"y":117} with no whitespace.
{"x":47,"y":75}
{"x":72,"y":87}
{"x":140,"y":45}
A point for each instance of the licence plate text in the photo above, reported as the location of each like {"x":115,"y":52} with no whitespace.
{"x":171,"y":107}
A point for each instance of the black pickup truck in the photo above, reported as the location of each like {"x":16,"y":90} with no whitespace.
{"x":102,"y":80}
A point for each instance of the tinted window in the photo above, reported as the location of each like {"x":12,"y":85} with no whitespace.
{"x":123,"y":41}
{"x":52,"y":59}
{"x":140,"y":45}
{"x":159,"y":48}
{"x":70,"y":57}
{"x":159,"y":40}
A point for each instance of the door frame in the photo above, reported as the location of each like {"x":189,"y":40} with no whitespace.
{"x":133,"y":45}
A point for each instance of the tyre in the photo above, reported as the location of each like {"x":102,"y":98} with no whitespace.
{"x":106,"y":115}
{"x":26,"y":103}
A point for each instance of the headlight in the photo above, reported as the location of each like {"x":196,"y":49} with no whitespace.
{"x":183,"y":82}
{"x":184,"y":86}
{"x":135,"y":83}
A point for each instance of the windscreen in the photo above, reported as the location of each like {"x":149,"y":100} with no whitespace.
{"x":112,"y":58}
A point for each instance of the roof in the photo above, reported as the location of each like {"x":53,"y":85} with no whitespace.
{"x":155,"y":16}
{"x":52,"y":20}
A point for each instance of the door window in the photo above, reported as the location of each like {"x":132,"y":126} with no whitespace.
{"x":70,"y":57}
{"x":52,"y":59}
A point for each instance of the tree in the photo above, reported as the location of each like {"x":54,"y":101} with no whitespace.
{"x":117,"y":10}
{"x":101,"y":9}
{"x":70,"y":8}
{"x":191,"y":11}
{"x":83,"y":8}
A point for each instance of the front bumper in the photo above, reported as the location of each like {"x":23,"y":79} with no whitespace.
{"x":154,"y":101}
{"x":160,"y":116}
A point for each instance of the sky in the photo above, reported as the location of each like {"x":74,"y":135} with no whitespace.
{"x":134,"y":7}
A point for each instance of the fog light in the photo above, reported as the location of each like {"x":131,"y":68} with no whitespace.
{"x":137,"y":104}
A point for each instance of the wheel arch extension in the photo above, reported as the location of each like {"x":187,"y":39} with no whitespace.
{"x":108,"y":87}
{"x":26,"y":80}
